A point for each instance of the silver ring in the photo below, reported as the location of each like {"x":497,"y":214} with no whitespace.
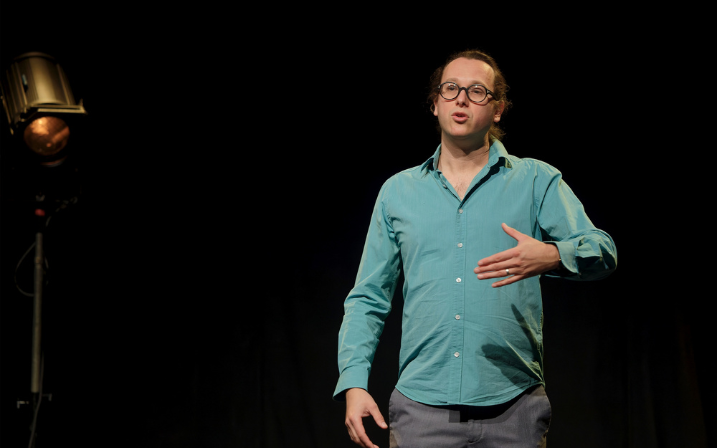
{"x":507,"y":272}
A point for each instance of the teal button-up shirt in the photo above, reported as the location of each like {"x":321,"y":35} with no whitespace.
{"x":463,"y":341}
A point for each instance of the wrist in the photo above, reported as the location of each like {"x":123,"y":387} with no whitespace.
{"x":556,"y":264}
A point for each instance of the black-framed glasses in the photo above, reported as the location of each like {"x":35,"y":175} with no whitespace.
{"x":476,"y":93}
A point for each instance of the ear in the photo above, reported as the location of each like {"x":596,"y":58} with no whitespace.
{"x":498,"y":111}
{"x":433,"y":108}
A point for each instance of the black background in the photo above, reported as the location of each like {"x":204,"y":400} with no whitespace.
{"x":228,"y":167}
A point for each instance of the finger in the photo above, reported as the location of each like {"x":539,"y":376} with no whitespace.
{"x":497,"y":258}
{"x":498,"y":267}
{"x":493,"y":274}
{"x":512,"y":232}
{"x":358,"y":433}
{"x":352,"y":432}
{"x":365,"y":441}
{"x":507,"y":281}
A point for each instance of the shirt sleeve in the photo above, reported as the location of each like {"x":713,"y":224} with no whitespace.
{"x":369,"y":302}
{"x":586,"y":252}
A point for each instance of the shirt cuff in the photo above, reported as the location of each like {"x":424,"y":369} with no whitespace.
{"x":568,"y":265}
{"x":351,"y":377}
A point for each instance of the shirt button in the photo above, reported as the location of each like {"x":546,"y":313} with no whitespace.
{"x":458,"y":317}
{"x":456,"y":354}
{"x":460,"y":210}
{"x":460,"y":244}
{"x":458,"y":280}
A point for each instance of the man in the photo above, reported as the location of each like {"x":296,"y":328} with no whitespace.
{"x":472,"y":229}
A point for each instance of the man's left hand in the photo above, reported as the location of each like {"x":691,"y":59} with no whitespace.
{"x":529,"y":258}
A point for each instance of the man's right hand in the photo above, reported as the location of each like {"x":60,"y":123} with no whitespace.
{"x":360,"y":404}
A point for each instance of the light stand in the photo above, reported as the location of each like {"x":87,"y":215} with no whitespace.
{"x":38,"y":277}
{"x":41,"y":110}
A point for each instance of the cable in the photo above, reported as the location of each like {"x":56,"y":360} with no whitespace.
{"x":22,"y":259}
{"x":17,"y":268}
{"x":33,"y":426}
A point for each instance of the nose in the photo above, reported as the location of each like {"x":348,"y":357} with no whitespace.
{"x":462,"y":97}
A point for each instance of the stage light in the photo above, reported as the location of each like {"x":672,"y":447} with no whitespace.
{"x":43,"y":116}
{"x":40,"y":106}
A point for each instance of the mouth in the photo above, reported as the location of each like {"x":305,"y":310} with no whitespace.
{"x":460,"y":117}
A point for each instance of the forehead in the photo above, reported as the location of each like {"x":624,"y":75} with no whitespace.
{"x":469,"y":71}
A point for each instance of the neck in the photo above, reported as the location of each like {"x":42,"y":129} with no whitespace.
{"x":463,"y":156}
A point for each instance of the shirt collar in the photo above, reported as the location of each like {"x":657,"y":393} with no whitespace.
{"x":497,"y":155}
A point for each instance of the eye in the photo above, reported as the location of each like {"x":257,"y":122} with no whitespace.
{"x":478,"y":90}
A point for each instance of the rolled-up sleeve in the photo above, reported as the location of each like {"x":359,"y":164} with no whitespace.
{"x":586,"y":252}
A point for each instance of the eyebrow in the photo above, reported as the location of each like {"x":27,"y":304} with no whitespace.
{"x":472,"y":83}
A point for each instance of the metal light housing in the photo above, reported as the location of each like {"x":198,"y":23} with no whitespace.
{"x":40,"y":107}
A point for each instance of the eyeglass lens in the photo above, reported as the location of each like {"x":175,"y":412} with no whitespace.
{"x":476,"y":92}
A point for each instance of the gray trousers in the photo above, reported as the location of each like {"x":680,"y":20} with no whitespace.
{"x":522,"y":422}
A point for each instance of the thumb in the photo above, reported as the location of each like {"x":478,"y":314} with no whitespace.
{"x":512,"y":232}
{"x":378,"y":417}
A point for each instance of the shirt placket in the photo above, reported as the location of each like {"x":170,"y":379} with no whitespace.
{"x":457,"y":305}
{"x":455,"y":317}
